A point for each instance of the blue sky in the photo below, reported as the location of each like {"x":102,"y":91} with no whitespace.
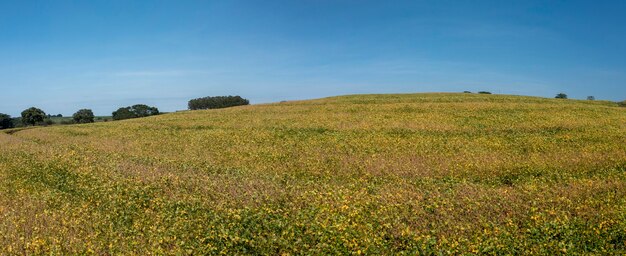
{"x":62,"y":56}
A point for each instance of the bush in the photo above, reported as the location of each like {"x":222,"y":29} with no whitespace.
{"x":591,"y":98}
{"x":622,"y":103}
{"x":561,"y":96}
{"x":217,"y":102}
{"x":17,"y":122}
{"x":467,"y":92}
{"x":46,"y":122}
{"x":135,"y":111}
{"x":484,"y":92}
{"x":83,"y":116}
{"x":33,"y":116}
{"x":6,"y":121}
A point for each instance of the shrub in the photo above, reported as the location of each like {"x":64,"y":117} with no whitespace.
{"x":591,"y":98}
{"x":33,"y":116}
{"x":83,"y":116}
{"x":17,"y":122}
{"x":46,"y":122}
{"x":135,"y":111}
{"x":561,"y":96}
{"x":484,"y":92}
{"x":217,"y":102}
{"x":6,"y":121}
{"x":467,"y":92}
{"x":622,"y":103}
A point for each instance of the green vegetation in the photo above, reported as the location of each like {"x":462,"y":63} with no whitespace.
{"x":33,"y":116}
{"x":561,"y":96}
{"x":6,"y":121}
{"x":434,"y":174}
{"x":83,"y":116}
{"x":135,"y":111}
{"x":217,"y":102}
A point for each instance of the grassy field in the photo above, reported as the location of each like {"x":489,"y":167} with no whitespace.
{"x":367,"y":174}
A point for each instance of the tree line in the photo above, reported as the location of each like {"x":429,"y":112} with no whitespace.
{"x":34,"y":116}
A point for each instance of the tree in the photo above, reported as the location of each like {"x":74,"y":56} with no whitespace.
{"x":142,"y":110}
{"x":484,"y":92}
{"x":33,"y":116}
{"x":135,"y":111}
{"x":217,"y":102}
{"x":83,"y":116}
{"x":622,"y":103}
{"x":591,"y":98}
{"x":5,"y":121}
{"x":561,"y":96}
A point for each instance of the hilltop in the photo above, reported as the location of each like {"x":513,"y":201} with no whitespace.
{"x":376,"y":174}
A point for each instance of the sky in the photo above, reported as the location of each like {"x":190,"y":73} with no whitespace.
{"x":62,"y":56}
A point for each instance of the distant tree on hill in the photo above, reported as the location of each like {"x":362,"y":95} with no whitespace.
{"x":217,"y":102}
{"x":561,"y":96}
{"x":6,"y":121}
{"x":59,"y":115}
{"x":135,"y":111}
{"x":83,"y":116}
{"x":467,"y":92}
{"x":33,"y":116}
{"x":591,"y":98}
{"x":484,"y":92}
{"x":622,"y":103}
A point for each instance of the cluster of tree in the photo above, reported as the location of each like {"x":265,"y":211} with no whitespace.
{"x":6,"y":121}
{"x":135,"y":111}
{"x":30,"y":116}
{"x":35,"y":116}
{"x":561,"y":96}
{"x":217,"y":102}
{"x":83,"y":116}
{"x":481,"y":92}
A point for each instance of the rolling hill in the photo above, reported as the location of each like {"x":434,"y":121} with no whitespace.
{"x":361,"y":174}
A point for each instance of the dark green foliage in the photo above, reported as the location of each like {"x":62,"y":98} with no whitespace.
{"x":135,"y":111}
{"x":83,"y":116}
{"x":33,"y":116}
{"x":484,"y":92}
{"x":561,"y":96}
{"x":17,"y":122}
{"x":467,"y":92}
{"x":217,"y":102}
{"x":622,"y":103}
{"x":591,"y":98}
{"x":5,"y":121}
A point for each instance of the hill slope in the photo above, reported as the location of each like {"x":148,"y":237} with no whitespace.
{"x":371,"y":174}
